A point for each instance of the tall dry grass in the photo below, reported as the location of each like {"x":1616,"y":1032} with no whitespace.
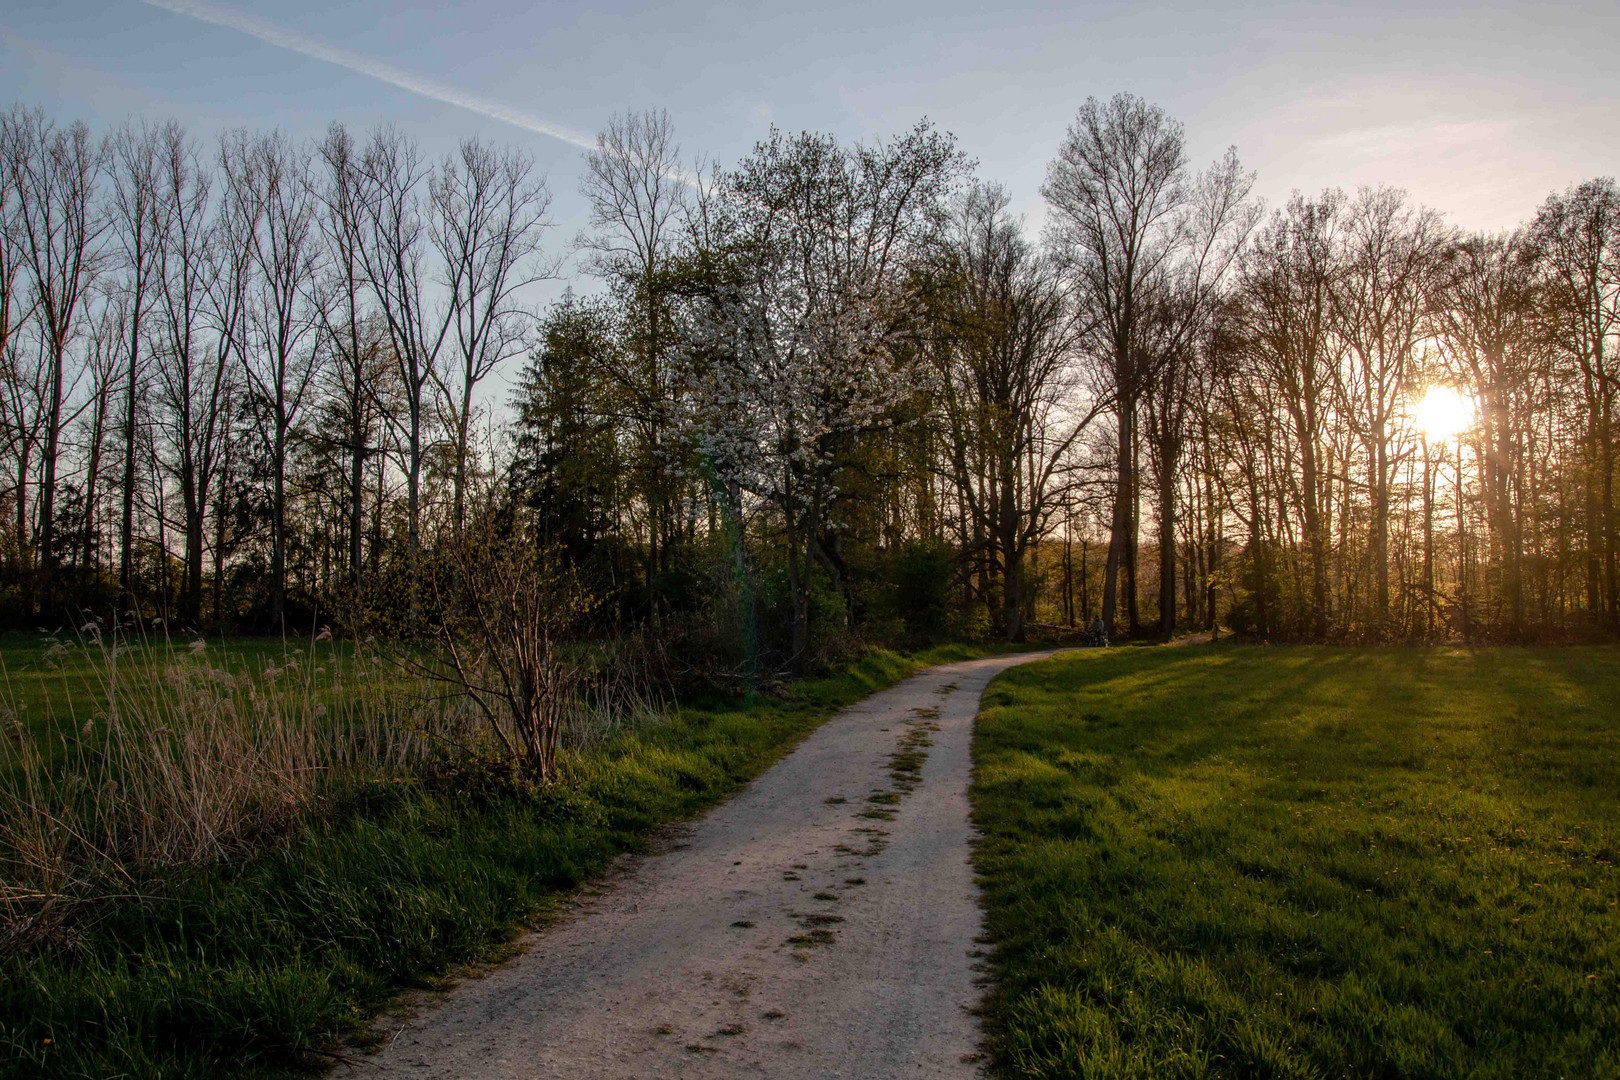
{"x":185,"y":761}
{"x":624,"y":688}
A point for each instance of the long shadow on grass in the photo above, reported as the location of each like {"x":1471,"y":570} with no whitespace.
{"x":1314,"y":862}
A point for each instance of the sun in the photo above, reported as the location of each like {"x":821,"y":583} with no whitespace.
{"x":1444,"y":413}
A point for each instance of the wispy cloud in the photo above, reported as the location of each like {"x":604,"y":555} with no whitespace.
{"x":317,"y":49}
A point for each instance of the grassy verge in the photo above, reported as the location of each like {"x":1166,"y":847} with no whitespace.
{"x":1245,"y":862}
{"x":258,"y":968}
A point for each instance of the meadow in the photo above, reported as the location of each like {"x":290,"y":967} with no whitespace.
{"x":270,"y":957}
{"x":54,"y":684}
{"x":1228,"y":861}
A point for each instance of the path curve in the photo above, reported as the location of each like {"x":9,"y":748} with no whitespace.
{"x":819,"y":924}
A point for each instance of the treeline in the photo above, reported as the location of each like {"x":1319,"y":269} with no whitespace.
{"x":830,"y":392}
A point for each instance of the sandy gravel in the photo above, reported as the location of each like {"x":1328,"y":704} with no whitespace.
{"x":799,"y":930}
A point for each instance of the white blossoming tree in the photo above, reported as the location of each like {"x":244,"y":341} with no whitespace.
{"x":807,"y":340}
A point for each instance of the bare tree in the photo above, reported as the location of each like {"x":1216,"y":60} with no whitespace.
{"x":1577,"y":234}
{"x":136,"y":151}
{"x":1145,"y":247}
{"x":1281,"y":321}
{"x":1381,"y":304}
{"x":201,"y":278}
{"x":107,"y":340}
{"x":391,"y":240}
{"x":60,"y":225}
{"x":1489,"y":315}
{"x":633,"y":181}
{"x":17,"y":392}
{"x":1115,"y":189}
{"x":10,"y":253}
{"x":1215,"y":225}
{"x":489,"y":214}
{"x":1013,"y":400}
{"x":269,"y":183}
{"x":356,"y":350}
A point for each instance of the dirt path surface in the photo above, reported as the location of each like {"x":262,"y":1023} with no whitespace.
{"x":820,"y":924}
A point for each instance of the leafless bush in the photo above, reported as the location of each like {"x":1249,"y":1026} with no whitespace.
{"x":499,"y":620}
{"x":491,"y":611}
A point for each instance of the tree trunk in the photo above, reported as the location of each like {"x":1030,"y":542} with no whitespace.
{"x":1133,"y":515}
{"x":1012,"y":610}
{"x":47,"y":487}
{"x":1167,"y":567}
{"x":1310,"y":497}
{"x":1169,"y":452}
{"x":1428,"y":547}
{"x":357,"y":465}
{"x":1380,"y":528}
{"x":1068,"y":573}
{"x":126,"y":531}
{"x":1611,"y":558}
{"x":192,"y":611}
{"x":278,"y":535}
{"x":1120,"y":523}
{"x":1512,"y":557}
{"x":463,"y":423}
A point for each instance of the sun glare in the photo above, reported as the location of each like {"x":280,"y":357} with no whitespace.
{"x":1445,"y":413}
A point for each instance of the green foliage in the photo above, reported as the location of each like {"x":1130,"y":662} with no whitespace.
{"x":830,"y":638}
{"x":970,"y":622}
{"x":922,"y":572}
{"x":567,"y":463}
{"x":1243,"y":862}
{"x":256,"y":968}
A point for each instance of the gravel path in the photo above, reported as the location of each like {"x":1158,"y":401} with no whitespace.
{"x":820,"y":924}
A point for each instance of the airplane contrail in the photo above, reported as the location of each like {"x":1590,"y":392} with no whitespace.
{"x":317,"y":49}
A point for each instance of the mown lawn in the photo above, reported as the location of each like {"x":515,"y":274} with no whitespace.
{"x":258,"y":968}
{"x":1223,"y":861}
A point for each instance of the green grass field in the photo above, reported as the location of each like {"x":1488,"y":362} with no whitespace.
{"x":257,"y":968}
{"x":1222,"y":861}
{"x":55,"y":684}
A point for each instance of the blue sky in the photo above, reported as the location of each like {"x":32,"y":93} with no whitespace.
{"x":1479,"y":110}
